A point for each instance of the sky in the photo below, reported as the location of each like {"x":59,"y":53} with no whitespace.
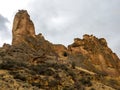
{"x":60,"y":21}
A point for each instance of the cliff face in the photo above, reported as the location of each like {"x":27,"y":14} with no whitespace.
{"x":33,"y":63}
{"x":23,"y":32}
{"x":98,"y":54}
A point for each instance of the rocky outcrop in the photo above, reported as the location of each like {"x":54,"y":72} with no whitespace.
{"x":98,"y":54}
{"x":90,"y":51}
{"x":61,"y":51}
{"x":22,"y":27}
{"x":23,"y":32}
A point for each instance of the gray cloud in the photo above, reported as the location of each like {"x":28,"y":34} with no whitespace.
{"x":5,"y":35}
{"x":62,"y":20}
{"x":3,"y":21}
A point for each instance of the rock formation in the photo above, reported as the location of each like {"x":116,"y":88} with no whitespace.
{"x":33,"y":63}
{"x":22,"y":27}
{"x":61,"y":51}
{"x":98,"y":53}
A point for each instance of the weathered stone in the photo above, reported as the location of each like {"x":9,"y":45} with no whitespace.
{"x":22,"y":27}
{"x":99,"y":54}
{"x":61,"y":51}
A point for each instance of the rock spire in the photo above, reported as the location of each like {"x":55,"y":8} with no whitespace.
{"x":22,"y":27}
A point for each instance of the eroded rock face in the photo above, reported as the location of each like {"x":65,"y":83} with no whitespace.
{"x":33,"y":63}
{"x":22,"y":27}
{"x":61,"y":51}
{"x":90,"y":51}
{"x":98,"y":53}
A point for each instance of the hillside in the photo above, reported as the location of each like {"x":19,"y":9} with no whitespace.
{"x":34,"y":63}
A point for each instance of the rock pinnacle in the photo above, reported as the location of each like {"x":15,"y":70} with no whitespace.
{"x":22,"y":27}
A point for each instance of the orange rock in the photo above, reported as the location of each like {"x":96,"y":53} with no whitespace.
{"x":22,"y":27}
{"x":99,"y":54}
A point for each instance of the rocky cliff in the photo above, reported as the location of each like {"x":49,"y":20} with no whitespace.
{"x":33,"y":63}
{"x":97,"y":53}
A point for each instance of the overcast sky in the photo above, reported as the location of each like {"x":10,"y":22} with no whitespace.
{"x":60,"y":21}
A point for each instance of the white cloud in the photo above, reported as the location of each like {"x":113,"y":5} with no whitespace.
{"x":4,"y":31}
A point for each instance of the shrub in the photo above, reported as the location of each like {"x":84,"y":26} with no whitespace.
{"x":86,"y":81}
{"x":11,"y":64}
{"x":49,"y":72}
{"x":19,"y":76}
{"x":68,"y":88}
{"x":72,"y":74}
{"x":42,"y":70}
{"x":53,"y":83}
{"x":73,"y":65}
{"x":63,"y":67}
{"x":78,"y":85}
{"x":92,"y":89}
{"x":56,"y":76}
{"x":36,"y":84}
